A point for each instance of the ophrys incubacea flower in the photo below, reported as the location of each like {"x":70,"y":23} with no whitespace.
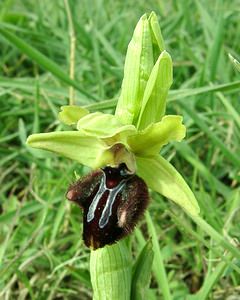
{"x":123,"y":149}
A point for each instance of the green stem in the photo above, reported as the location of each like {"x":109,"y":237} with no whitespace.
{"x":111,"y":272}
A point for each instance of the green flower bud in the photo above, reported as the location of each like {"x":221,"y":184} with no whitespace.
{"x":137,"y":69}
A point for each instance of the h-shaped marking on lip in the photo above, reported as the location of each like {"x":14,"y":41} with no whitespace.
{"x":107,"y":211}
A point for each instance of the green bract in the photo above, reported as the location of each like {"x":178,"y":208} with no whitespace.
{"x":138,"y":130}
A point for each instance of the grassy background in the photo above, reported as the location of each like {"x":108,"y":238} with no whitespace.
{"x":41,"y":252}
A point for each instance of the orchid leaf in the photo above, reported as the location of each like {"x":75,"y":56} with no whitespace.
{"x":103,"y":125}
{"x":70,"y":114}
{"x":71,"y":144}
{"x":163,"y":178}
{"x":137,"y":69}
{"x":155,"y":95}
{"x":151,"y":139}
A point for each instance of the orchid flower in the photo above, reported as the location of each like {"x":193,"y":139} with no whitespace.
{"x":135,"y":134}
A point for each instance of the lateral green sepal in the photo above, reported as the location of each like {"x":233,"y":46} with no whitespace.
{"x":72,"y":144}
{"x":163,"y":178}
{"x":87,"y":150}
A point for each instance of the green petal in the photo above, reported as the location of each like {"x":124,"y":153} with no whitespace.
{"x":70,"y":114}
{"x":138,"y":66}
{"x":163,"y":178}
{"x":151,"y":139}
{"x":103,"y":125}
{"x":71,"y":144}
{"x":155,"y":95}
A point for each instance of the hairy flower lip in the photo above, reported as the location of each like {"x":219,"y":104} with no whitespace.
{"x":113,"y":200}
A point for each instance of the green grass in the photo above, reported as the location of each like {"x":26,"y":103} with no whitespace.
{"x":42,"y":255}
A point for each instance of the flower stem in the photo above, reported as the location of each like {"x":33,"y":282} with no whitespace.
{"x":111,"y":272}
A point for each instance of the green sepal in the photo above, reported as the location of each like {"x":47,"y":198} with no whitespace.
{"x":142,"y":272}
{"x":163,"y":178}
{"x":137,"y":68}
{"x":72,"y":144}
{"x":70,"y":114}
{"x":150,"y":140}
{"x":87,"y":150}
{"x":155,"y":95}
{"x":103,"y":126}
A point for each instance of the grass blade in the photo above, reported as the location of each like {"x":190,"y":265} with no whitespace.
{"x":204,"y":127}
{"x":158,"y":265}
{"x":42,"y":60}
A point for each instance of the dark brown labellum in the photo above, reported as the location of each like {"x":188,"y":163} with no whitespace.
{"x":112,"y":201}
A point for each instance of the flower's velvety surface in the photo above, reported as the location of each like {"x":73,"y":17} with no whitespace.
{"x":112,"y":201}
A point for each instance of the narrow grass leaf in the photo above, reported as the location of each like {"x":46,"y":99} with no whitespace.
{"x":42,"y":60}
{"x":210,"y":281}
{"x":174,"y":95}
{"x":204,"y":127}
{"x":188,"y":153}
{"x":235,"y":62}
{"x":142,"y":272}
{"x":158,"y":264}
{"x":219,"y":238}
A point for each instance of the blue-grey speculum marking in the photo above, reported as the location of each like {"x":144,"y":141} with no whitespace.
{"x":107,"y":211}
